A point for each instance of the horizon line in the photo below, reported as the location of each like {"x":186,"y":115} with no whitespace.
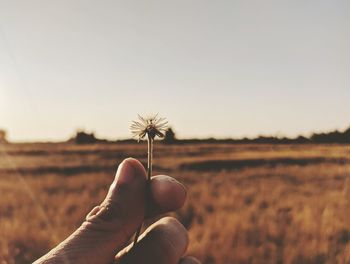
{"x":276,"y":135}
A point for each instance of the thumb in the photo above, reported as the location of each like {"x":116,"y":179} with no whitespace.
{"x":109,"y":226}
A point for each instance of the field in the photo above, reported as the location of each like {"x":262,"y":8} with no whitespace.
{"x":278,"y":204}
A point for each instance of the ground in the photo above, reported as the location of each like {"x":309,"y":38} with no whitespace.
{"x":246,"y":203}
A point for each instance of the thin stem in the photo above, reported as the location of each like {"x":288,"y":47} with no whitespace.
{"x":150,"y":157}
{"x":149,"y":175}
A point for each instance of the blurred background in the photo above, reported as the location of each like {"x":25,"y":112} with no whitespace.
{"x":256,"y":93}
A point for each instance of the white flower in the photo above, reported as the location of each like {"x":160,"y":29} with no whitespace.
{"x":151,"y":126}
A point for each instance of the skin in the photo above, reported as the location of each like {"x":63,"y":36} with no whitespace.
{"x":104,"y":235}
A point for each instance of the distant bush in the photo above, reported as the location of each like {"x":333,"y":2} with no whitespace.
{"x":170,"y":136}
{"x":332,"y":137}
{"x":3,"y":136}
{"x":82,"y":137}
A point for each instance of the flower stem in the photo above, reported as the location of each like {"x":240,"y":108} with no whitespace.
{"x":149,"y":175}
{"x":150,"y":158}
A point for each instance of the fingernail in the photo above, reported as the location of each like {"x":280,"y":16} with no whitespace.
{"x":126,"y":175}
{"x":126,"y":172}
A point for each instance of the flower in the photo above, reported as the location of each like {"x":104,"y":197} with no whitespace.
{"x":151,"y":126}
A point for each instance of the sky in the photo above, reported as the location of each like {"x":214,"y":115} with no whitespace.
{"x":220,"y":68}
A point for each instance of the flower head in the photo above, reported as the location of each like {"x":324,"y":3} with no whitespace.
{"x":151,"y":126}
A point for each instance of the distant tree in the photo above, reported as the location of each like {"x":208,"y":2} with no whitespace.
{"x":84,"y":138}
{"x":301,"y":139}
{"x":332,"y":137}
{"x":3,"y":136}
{"x":170,"y":137}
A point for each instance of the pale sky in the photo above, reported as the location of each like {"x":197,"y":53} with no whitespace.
{"x":213,"y":68}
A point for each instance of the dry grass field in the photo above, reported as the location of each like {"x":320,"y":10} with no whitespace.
{"x":278,"y":204}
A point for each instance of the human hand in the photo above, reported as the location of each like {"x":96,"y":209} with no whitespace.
{"x":103,"y":236}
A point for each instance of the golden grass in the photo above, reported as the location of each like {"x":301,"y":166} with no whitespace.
{"x":254,"y":204}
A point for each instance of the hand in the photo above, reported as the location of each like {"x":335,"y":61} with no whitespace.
{"x":108,"y":227}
